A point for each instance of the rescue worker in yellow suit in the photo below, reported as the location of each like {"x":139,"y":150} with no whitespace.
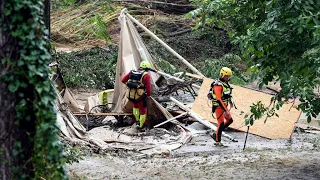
{"x":221,"y":96}
{"x":139,"y":90}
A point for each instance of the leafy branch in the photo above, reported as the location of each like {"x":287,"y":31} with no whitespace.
{"x":281,"y":37}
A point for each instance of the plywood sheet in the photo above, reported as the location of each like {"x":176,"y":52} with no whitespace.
{"x":274,"y":128}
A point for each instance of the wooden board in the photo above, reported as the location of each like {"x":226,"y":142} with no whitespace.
{"x":274,"y":128}
{"x":103,"y":114}
{"x":194,"y":76}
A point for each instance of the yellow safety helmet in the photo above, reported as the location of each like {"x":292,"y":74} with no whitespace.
{"x":225,"y":72}
{"x":145,"y":65}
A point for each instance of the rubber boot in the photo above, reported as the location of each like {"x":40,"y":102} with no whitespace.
{"x":136,"y":114}
{"x":143,"y":118}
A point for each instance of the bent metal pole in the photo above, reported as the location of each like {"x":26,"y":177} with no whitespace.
{"x":164,"y":44}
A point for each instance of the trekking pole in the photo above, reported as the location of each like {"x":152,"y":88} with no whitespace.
{"x":245,"y":141}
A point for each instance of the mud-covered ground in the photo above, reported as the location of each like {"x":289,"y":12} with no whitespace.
{"x":295,"y":158}
{"x":298,"y":158}
{"x":248,"y":165}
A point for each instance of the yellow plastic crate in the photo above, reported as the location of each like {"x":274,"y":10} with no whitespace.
{"x":103,"y":96}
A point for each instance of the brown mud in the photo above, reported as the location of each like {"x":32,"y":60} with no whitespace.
{"x":295,"y":158}
{"x":200,"y":159}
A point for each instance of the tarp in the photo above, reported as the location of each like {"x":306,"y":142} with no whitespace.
{"x":274,"y":128}
{"x":131,"y":52}
{"x":71,"y":102}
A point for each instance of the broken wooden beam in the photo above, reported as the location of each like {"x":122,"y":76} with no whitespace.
{"x":175,"y":78}
{"x":195,"y":76}
{"x":103,"y":114}
{"x":183,"y":114}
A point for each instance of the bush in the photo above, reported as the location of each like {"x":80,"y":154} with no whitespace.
{"x":90,"y":68}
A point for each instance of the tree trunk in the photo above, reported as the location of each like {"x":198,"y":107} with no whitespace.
{"x":47,"y":16}
{"x":7,"y":102}
{"x":7,"y":114}
{"x":7,"y":110}
{"x":15,"y":138}
{"x":163,"y":6}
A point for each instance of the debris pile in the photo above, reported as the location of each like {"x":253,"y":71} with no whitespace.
{"x":110,"y":124}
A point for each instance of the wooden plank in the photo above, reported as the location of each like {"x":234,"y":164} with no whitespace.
{"x":274,"y":128}
{"x":195,"y":76}
{"x":307,"y":126}
{"x":200,"y":119}
{"x":176,"y":112}
{"x":103,"y":114}
{"x":183,"y":114}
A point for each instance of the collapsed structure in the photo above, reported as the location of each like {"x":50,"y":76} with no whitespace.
{"x":131,"y":52}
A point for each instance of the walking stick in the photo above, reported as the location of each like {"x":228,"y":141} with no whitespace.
{"x":245,"y":141}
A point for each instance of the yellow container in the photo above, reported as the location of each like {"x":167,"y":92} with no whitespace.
{"x":103,"y":96}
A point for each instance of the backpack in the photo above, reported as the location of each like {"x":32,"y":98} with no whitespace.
{"x":225,"y":95}
{"x":135,"y":87}
{"x":209,"y":95}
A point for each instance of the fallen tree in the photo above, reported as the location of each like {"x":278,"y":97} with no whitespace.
{"x":163,"y":6}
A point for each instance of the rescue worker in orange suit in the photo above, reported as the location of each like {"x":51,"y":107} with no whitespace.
{"x":221,"y":96}
{"x":139,"y":90}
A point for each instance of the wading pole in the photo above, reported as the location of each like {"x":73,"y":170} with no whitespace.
{"x":245,"y":141}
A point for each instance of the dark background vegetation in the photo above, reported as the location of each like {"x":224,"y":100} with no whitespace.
{"x":208,"y":49}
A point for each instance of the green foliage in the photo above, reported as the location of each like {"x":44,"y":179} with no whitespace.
{"x":62,"y":4}
{"x":27,"y":77}
{"x":201,"y":47}
{"x":71,"y":154}
{"x":81,"y":26}
{"x":91,"y":68}
{"x":194,"y":46}
{"x":281,"y":36}
{"x":211,"y":68}
{"x":100,"y":28}
{"x":259,"y":110}
{"x":106,"y":6}
{"x":204,"y":48}
{"x":166,"y":66}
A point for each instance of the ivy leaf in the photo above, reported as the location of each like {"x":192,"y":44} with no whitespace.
{"x":309,"y":118}
{"x":15,"y":152}
{"x":45,"y":100}
{"x":251,"y":122}
{"x":7,"y":11}
{"x":247,"y":121}
{"x":13,"y":87}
